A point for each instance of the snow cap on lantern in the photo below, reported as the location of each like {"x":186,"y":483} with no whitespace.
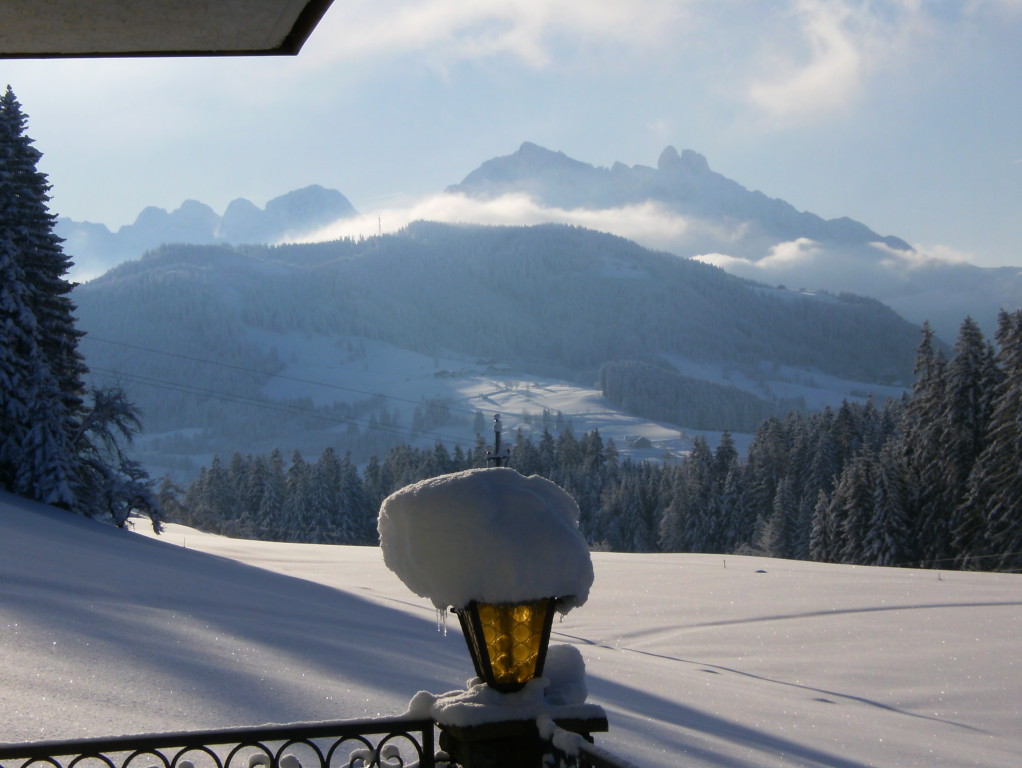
{"x":487,"y":535}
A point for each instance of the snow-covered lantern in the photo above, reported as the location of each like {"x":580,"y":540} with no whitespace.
{"x":503,"y":550}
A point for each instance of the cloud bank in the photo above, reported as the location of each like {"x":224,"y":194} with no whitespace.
{"x":649,"y":223}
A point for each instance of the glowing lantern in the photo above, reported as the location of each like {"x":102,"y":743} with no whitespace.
{"x":507,"y":641}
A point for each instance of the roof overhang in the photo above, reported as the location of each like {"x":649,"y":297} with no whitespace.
{"x":37,"y":29}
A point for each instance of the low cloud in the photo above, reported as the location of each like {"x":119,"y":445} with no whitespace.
{"x":923,"y":257}
{"x":780,"y":258}
{"x":648,"y":223}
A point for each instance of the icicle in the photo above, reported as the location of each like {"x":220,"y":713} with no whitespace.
{"x":441,"y":620}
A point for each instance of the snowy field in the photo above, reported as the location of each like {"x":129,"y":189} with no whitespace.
{"x":698,"y":660}
{"x":314,"y":364}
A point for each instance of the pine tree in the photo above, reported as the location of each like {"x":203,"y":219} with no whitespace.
{"x":851,"y":509}
{"x":767,"y":463}
{"x":47,"y":389}
{"x":776,"y":533}
{"x":111,"y":483}
{"x":326,"y":517}
{"x":270,"y":517}
{"x":995,"y":486}
{"x":823,"y":534}
{"x":732,"y":517}
{"x":887,"y":539}
{"x":297,"y":522}
{"x":54,"y":446}
{"x":724,"y":456}
{"x":920,"y":455}
{"x":971,"y":379}
{"x":251,"y":495}
{"x":672,"y":528}
{"x":17,"y":353}
{"x":357,"y":509}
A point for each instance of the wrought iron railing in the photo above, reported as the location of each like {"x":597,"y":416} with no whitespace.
{"x":377,"y":743}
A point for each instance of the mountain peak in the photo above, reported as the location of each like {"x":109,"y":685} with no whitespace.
{"x":669,"y":158}
{"x":530,"y":168}
{"x":529,"y":148}
{"x":688,"y":160}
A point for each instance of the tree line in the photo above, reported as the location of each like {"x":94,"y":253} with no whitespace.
{"x":655,"y":390}
{"x":933,"y":479}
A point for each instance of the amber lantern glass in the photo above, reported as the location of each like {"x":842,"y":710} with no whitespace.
{"x":508,"y":641}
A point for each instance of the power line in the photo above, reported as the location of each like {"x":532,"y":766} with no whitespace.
{"x":279,"y":407}
{"x":267,"y":374}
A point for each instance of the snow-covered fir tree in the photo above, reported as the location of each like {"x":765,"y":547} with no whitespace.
{"x":58,"y":443}
{"x":994,"y":491}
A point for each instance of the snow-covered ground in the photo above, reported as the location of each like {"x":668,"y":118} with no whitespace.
{"x":326,"y":369}
{"x":698,"y":660}
{"x":323,"y":369}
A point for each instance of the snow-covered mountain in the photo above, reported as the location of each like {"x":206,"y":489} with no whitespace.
{"x":690,"y":210}
{"x":698,"y":660}
{"x":681,"y":206}
{"x":683,"y":183}
{"x":286,"y":216}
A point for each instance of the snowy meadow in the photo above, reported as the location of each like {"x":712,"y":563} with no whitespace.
{"x":698,"y":660}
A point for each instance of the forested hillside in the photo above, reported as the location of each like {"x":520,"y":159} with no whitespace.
{"x":548,"y":300}
{"x":932,"y":481}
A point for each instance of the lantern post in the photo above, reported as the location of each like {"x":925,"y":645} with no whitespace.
{"x":505,"y":553}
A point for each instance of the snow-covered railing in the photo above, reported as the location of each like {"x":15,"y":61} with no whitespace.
{"x":373,"y":743}
{"x":569,"y":749}
{"x":583,"y":756}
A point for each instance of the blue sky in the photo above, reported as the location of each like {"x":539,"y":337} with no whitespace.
{"x":903,"y":114}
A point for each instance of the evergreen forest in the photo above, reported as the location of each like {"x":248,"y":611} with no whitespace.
{"x":931,"y":480}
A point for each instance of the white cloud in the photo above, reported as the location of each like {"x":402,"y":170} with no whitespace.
{"x":648,"y":223}
{"x":453,"y":30}
{"x":922,"y":257}
{"x":780,"y":257}
{"x":826,"y":51}
{"x":791,"y":254}
{"x":830,"y":74}
{"x":724,"y":261}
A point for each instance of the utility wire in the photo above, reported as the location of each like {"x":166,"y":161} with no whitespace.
{"x":267,"y":374}
{"x":279,"y":407}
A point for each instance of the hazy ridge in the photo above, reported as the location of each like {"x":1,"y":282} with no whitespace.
{"x":546,"y":301}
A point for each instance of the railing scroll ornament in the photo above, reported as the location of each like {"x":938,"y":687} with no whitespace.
{"x":374,"y":743}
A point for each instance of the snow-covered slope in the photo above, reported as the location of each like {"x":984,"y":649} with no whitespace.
{"x":698,"y":660}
